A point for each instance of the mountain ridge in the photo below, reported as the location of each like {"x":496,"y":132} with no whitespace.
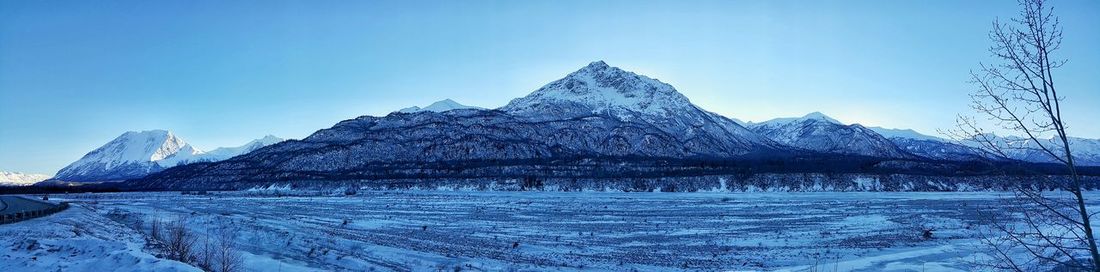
{"x":135,"y":154}
{"x":598,"y":121}
{"x":817,"y":132}
{"x":20,"y":179}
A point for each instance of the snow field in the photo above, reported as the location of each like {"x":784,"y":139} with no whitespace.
{"x":429,"y":230}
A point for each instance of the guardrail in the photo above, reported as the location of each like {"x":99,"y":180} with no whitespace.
{"x":12,"y":217}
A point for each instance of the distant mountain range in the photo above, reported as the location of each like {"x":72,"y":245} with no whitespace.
{"x":136,"y":154}
{"x":820,"y":133}
{"x":599,"y":121}
{"x":20,"y":179}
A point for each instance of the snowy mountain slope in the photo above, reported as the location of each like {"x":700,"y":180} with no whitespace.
{"x":596,"y":113}
{"x":20,"y":179}
{"x":599,"y":121}
{"x":439,"y":106}
{"x":596,"y":110}
{"x":133,"y":154}
{"x":137,"y":153}
{"x":940,"y":149}
{"x":1086,"y":152}
{"x":818,"y":132}
{"x":818,"y":116}
{"x":223,"y":153}
{"x":602,"y":90}
{"x":904,"y":133}
{"x":931,"y":147}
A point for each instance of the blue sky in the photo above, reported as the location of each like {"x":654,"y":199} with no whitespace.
{"x":76,"y":74}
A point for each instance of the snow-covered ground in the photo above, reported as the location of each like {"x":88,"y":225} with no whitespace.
{"x":77,"y":239}
{"x":431,"y":230}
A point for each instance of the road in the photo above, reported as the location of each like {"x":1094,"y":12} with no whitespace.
{"x":11,"y":205}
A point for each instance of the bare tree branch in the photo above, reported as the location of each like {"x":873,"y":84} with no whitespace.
{"x":1017,"y":93}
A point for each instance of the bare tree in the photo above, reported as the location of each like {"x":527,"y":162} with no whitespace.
{"x":180,"y":240}
{"x":216,"y":251}
{"x":1017,"y":93}
{"x":204,"y":258}
{"x":227,"y":257}
{"x":155,"y":230}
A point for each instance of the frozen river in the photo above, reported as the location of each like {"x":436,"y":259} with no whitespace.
{"x":431,"y":230}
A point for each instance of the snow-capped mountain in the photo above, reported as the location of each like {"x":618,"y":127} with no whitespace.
{"x":594,"y":116}
{"x":599,"y":122}
{"x":604,"y":89}
{"x":1086,"y":152}
{"x":817,"y":116}
{"x":223,"y":153}
{"x":20,"y":179}
{"x":818,"y":132}
{"x":941,"y":149}
{"x":132,"y":154}
{"x":601,"y":90}
{"x":135,"y":154}
{"x":439,"y":106}
{"x":904,"y":133}
{"x":931,"y":147}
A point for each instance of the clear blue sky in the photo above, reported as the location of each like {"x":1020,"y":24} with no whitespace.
{"x":75,"y":74}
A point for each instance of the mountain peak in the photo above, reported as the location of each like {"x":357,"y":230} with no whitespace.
{"x":597,"y":65}
{"x":445,"y":105}
{"x":600,"y":70}
{"x":903,"y":133}
{"x":819,"y":132}
{"x":223,"y":153}
{"x":819,"y":116}
{"x":265,"y":141}
{"x":438,"y":106}
{"x":138,"y":153}
{"x":148,"y":133}
{"x":270,"y":139}
{"x":146,"y":145}
{"x":132,"y":152}
{"x":813,"y":116}
{"x":601,"y":88}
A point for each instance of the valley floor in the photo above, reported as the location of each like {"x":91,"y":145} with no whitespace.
{"x":77,"y":239}
{"x":491,"y":231}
